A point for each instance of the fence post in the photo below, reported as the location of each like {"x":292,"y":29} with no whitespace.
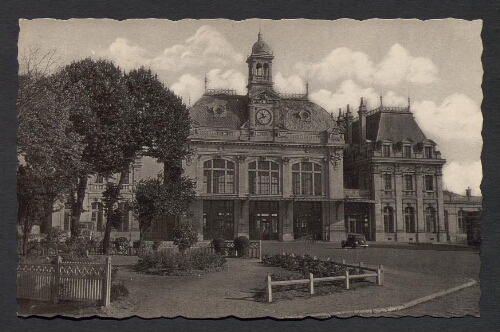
{"x":269,"y":290}
{"x":347,"y":279}
{"x":361,"y":267}
{"x":106,"y":283}
{"x":260,"y":250}
{"x":380,"y":275}
{"x":57,"y":275}
{"x":311,"y":284}
{"x":343,"y":262}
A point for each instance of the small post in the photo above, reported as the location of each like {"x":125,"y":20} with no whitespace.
{"x":106,"y":284}
{"x":57,"y":276}
{"x":380,"y":275}
{"x":347,"y":279}
{"x":269,"y":290}
{"x":311,"y":284}
{"x":315,"y":258}
{"x":343,"y":262}
{"x":361,"y":267}
{"x":260,"y":250}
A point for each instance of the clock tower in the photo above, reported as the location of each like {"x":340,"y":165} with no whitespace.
{"x":261,"y":95}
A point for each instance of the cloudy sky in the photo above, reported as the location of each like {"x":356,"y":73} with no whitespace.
{"x":437,"y":63}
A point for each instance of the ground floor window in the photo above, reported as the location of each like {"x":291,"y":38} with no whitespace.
{"x":67,"y":217}
{"x":307,"y":220}
{"x":264,"y":222}
{"x":218,"y":219}
{"x":98,"y":215}
{"x":430,"y":220}
{"x":409,"y":219}
{"x":462,"y":228}
{"x":388,"y":219}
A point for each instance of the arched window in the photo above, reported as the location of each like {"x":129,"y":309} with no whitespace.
{"x":125,"y":210}
{"x":98,"y":215}
{"x":266,"y":71}
{"x":263,"y":178}
{"x":259,"y":69}
{"x":388,"y":220}
{"x":430,"y":220}
{"x":462,"y":229}
{"x":218,"y":176}
{"x":306,"y":179}
{"x":409,"y":219}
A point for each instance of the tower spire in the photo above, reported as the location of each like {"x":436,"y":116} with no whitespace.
{"x":206,"y":81}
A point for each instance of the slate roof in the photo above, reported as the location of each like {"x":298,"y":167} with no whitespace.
{"x":230,"y":112}
{"x":394,"y":126}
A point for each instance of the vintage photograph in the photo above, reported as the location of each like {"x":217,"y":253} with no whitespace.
{"x":256,"y":168}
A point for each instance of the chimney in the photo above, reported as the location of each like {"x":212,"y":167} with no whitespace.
{"x":362,"y":122}
{"x":468,"y":193}
{"x":348,"y":124}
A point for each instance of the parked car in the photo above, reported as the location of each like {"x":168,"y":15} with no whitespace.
{"x":355,"y":241}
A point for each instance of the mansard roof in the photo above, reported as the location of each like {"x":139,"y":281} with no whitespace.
{"x":219,"y":111}
{"x":393,"y":125}
{"x":231,"y":112}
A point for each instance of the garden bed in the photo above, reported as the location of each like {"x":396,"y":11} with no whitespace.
{"x":180,"y":264}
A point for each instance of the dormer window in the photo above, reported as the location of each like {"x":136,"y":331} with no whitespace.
{"x":406,"y":151}
{"x":386,"y":150}
{"x":428,"y":151}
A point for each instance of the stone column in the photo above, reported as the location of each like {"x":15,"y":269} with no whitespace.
{"x":440,"y":209}
{"x":420,"y":218}
{"x":398,"y":208}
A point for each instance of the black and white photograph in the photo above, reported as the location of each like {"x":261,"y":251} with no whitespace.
{"x":259,"y":168}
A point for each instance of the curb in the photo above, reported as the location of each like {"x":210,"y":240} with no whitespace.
{"x":388,"y":309}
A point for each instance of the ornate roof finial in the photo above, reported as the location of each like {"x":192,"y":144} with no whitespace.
{"x":361,"y":102}
{"x":409,"y":103}
{"x":206,"y":81}
{"x":307,"y":88}
{"x":381,"y":104}
{"x":340,"y":113}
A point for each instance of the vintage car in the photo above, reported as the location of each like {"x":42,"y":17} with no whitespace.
{"x":354,"y":241}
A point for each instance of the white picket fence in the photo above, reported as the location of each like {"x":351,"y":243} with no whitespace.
{"x":74,"y":281}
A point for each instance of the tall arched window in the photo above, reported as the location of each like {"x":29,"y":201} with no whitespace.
{"x":388,"y":220}
{"x":266,"y":71}
{"x":98,"y":215}
{"x":258,"y":67}
{"x":462,"y":229}
{"x":430,"y":220}
{"x":306,"y":179}
{"x":218,"y":176}
{"x":409,"y":219}
{"x":263,"y":178}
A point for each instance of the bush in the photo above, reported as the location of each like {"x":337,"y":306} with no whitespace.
{"x":121,"y":244}
{"x":241,"y":245}
{"x":185,"y":236}
{"x":174,"y":263}
{"x":219,"y":245}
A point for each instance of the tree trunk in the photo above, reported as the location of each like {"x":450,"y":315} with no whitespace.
{"x":113,"y":201}
{"x":78,"y":206}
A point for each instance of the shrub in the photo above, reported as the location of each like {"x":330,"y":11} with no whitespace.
{"x":156,"y":245}
{"x":121,"y":244}
{"x":241,"y":245}
{"x":185,"y":236}
{"x":219,"y":245}
{"x":175,"y":263}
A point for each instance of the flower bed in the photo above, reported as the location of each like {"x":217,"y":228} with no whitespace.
{"x":305,"y":264}
{"x":176,"y":263}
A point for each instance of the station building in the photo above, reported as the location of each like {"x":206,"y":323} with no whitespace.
{"x":273,"y":166}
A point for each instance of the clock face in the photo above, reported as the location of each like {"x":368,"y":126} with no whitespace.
{"x":263,"y":116}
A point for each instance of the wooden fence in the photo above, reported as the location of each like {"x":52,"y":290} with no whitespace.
{"x":377,"y":273}
{"x":76,"y":281}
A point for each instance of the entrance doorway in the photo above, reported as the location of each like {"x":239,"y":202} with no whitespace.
{"x":307,"y":220}
{"x":358,"y":219}
{"x":264,"y":221}
{"x":218,"y":220}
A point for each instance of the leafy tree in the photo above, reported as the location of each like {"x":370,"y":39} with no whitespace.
{"x":156,"y":198}
{"x":49,"y":152}
{"x":185,"y":236}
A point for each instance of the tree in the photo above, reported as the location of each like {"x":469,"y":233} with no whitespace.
{"x":156,"y":198}
{"x":49,"y":152}
{"x":101,"y":113}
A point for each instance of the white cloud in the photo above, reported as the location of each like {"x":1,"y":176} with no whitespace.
{"x":397,"y":67}
{"x":457,"y":118}
{"x":457,"y":176}
{"x":207,"y":47}
{"x":193,"y":86}
{"x":290,"y":84}
{"x":350,"y":93}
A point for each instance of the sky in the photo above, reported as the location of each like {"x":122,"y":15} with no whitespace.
{"x":437,"y":63}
